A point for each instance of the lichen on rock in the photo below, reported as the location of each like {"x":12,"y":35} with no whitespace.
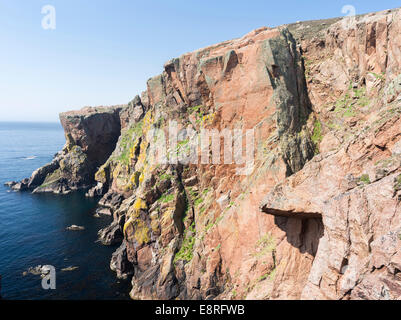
{"x":315,"y":216}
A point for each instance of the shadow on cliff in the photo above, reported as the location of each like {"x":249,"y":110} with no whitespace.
{"x":303,"y":234}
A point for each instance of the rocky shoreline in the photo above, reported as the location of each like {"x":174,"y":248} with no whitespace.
{"x":319,"y":215}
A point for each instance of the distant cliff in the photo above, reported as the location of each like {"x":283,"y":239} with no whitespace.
{"x":309,"y":205}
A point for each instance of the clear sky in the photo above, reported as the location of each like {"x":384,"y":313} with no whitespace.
{"x":103,"y":51}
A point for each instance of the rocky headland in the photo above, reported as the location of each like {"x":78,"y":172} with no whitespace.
{"x":316,"y":216}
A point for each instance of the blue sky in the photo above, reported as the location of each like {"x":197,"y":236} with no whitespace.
{"x":103,"y":51}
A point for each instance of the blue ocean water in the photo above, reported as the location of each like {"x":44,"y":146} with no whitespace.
{"x":32,"y":227}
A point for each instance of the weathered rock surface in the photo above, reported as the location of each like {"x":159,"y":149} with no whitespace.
{"x":178,"y":214}
{"x":91,"y":135}
{"x":111,"y":234}
{"x":120,"y":264}
{"x":314,"y":215}
{"x":75,"y":228}
{"x":352,"y":185}
{"x":38,"y":270}
{"x":70,"y":268}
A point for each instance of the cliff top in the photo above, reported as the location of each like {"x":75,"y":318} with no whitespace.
{"x":301,"y":30}
{"x":88,"y":111}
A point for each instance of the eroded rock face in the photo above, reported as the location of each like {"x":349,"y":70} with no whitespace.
{"x":354,"y":191}
{"x":91,"y":135}
{"x":352,"y":185}
{"x":95,"y":130}
{"x":315,"y":215}
{"x":187,"y":226}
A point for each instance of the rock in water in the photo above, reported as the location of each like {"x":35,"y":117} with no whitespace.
{"x":38,"y":270}
{"x":75,"y":228}
{"x":70,"y":268}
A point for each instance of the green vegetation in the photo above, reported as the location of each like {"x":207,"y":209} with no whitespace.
{"x":201,"y":114}
{"x":166,"y":176}
{"x":165,"y":198}
{"x":317,"y":135}
{"x":198,"y":201}
{"x":334,"y":126}
{"x":52,"y":178}
{"x":364,"y":179}
{"x":360,"y":94}
{"x":209,"y":226}
{"x":183,"y":147}
{"x":127,"y":142}
{"x":197,"y":198}
{"x":265,"y":245}
{"x":381,"y":76}
{"x":346,"y":105}
{"x":187,"y":209}
{"x":214,"y":223}
{"x":160,"y":122}
{"x":196,"y":109}
{"x":186,"y":251}
{"x":269,"y":275}
{"x":384,"y":162}
{"x":182,"y":143}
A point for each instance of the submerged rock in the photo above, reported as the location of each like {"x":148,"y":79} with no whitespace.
{"x":75,"y":228}
{"x":70,"y":268}
{"x":38,"y":270}
{"x":18,"y":186}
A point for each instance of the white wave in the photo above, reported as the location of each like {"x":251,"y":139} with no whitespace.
{"x":30,"y":158}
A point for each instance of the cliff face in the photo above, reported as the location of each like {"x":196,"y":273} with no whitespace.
{"x":194,"y":230}
{"x":353,"y":185}
{"x":302,"y":200}
{"x":91,"y":135}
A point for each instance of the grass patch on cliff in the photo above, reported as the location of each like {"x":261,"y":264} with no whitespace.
{"x":362,"y":99}
{"x":166,"y":176}
{"x":183,"y":148}
{"x":269,"y":275}
{"x":344,"y":106}
{"x":195,"y":109}
{"x":128,"y":138}
{"x":264,"y":245}
{"x":196,"y":197}
{"x":308,"y":67}
{"x":165,"y":198}
{"x":381,"y":76}
{"x":317,"y":136}
{"x":364,"y":179}
{"x":186,"y":251}
{"x":202,"y":116}
{"x":53,"y":177}
{"x":353,"y":99}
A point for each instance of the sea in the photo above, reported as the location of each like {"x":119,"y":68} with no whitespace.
{"x":33,"y":227}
